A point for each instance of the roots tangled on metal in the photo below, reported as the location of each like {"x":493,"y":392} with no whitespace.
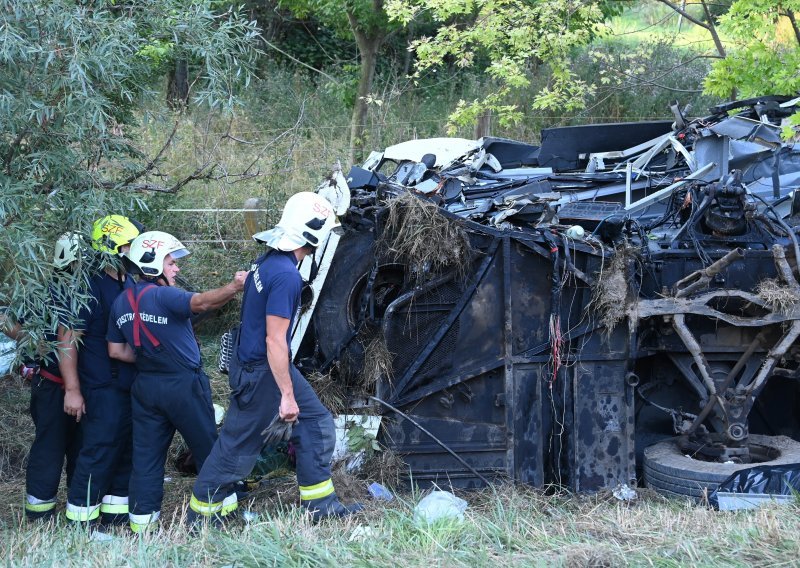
{"x":612,"y":297}
{"x":779,"y":297}
{"x":418,"y":234}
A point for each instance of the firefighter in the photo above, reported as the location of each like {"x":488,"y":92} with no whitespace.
{"x":265,"y":383}
{"x":97,"y":389}
{"x":56,"y":433}
{"x":151,"y":325}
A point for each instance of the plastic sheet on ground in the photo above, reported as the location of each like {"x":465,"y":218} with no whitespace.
{"x":752,"y":487}
{"x":439,"y":505}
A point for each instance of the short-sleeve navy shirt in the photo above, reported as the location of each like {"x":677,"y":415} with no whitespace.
{"x":272,"y":289}
{"x":166,"y":312}
{"x":95,"y":368}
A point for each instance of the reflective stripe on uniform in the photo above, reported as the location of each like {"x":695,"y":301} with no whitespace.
{"x":78,"y":513}
{"x":144,"y":523}
{"x":114,"y":505}
{"x":318,"y":491}
{"x":36,"y":505}
{"x":222,"y":508}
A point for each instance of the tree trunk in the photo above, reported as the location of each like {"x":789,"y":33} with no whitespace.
{"x":712,"y":29}
{"x":484,"y":125}
{"x":369,"y":42}
{"x":793,"y":20}
{"x":368,"y":48}
{"x":178,"y":85}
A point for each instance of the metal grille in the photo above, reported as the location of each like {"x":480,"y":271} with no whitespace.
{"x":413,"y":328}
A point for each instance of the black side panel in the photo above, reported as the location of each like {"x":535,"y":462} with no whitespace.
{"x":561,"y":147}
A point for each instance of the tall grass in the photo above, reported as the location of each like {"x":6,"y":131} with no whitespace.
{"x":512,"y":526}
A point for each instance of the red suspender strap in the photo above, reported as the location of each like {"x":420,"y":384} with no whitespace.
{"x":51,"y":377}
{"x":138,"y":324}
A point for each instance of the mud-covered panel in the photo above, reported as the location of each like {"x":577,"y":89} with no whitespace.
{"x":451,"y":330}
{"x":526,"y":417}
{"x":479,"y":398}
{"x":482,"y":445}
{"x":602,"y":449}
{"x":530,"y":294}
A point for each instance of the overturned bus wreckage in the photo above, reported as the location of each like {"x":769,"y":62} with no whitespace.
{"x":617,"y":305}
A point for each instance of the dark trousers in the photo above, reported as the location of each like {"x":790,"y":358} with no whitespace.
{"x":163,"y":403}
{"x":57,"y":438}
{"x":255,"y":399}
{"x":104,"y":462}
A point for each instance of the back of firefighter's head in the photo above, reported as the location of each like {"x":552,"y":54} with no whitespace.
{"x":154,"y":254}
{"x":113,"y":234}
{"x":307,"y":220}
{"x":67,"y":251}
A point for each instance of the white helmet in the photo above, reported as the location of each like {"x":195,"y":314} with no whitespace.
{"x":67,"y":250}
{"x":149,"y":250}
{"x":307,"y":220}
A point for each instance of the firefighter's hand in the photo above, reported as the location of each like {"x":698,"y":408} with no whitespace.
{"x":74,"y":404}
{"x":239,"y":278}
{"x":288,"y":410}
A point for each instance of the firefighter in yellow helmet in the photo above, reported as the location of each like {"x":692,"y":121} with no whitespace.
{"x":97,"y":388}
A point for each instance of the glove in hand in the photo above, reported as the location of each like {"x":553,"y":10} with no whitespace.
{"x":277,"y":431}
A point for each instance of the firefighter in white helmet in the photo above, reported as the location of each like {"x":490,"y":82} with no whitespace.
{"x":263,"y":381}
{"x":151,"y":326}
{"x":56,"y":437}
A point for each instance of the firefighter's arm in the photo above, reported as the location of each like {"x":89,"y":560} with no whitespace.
{"x":121,"y":351}
{"x":68,"y":367}
{"x":278,"y":359}
{"x":213,"y":299}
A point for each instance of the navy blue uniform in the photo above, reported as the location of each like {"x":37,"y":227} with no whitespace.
{"x":56,"y":438}
{"x":102,"y":472}
{"x":170,"y":390}
{"x":271,"y":289}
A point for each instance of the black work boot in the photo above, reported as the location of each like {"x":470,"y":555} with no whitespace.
{"x":330,"y":507}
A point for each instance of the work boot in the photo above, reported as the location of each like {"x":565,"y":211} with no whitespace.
{"x":330,"y":507}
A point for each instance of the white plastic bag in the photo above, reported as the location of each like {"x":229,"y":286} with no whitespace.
{"x":439,"y":505}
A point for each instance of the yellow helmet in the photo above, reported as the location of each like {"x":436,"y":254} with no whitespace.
{"x":112,"y":232}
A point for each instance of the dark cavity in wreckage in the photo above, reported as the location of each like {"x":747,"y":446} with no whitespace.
{"x":617,"y":304}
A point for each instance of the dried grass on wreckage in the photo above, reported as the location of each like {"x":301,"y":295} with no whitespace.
{"x":420,"y":235}
{"x":779,"y":297}
{"x":612,"y":296}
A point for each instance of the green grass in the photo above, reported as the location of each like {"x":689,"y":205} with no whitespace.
{"x":508,"y":525}
{"x":512,"y":526}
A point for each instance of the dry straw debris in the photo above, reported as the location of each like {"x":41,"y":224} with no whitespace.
{"x":377,"y":361}
{"x":330,"y":391}
{"x":611,"y":293}
{"x":419,"y":234}
{"x":779,"y":297}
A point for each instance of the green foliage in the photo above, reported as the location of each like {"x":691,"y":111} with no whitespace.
{"x":72,"y":78}
{"x":367,"y":15}
{"x":518,"y":37}
{"x":359,"y":439}
{"x":763,"y":56}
